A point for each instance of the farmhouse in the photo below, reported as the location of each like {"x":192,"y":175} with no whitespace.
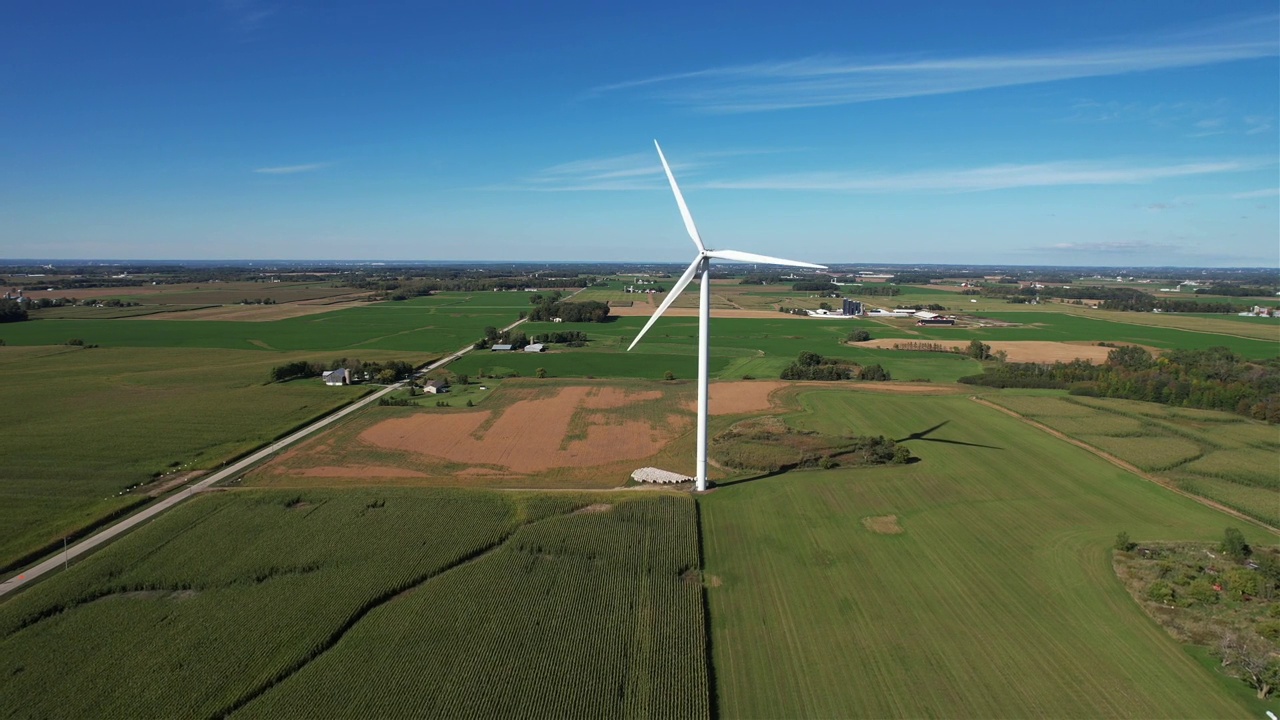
{"x":535,"y":348}
{"x":435,"y":387}
{"x":336,"y":377}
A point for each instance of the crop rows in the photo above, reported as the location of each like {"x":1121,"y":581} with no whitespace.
{"x":188,"y":615}
{"x":594,"y":614}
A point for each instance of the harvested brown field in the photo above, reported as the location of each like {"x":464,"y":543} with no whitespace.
{"x":739,"y":396}
{"x":528,"y":436}
{"x":1021,"y":350}
{"x":883,"y":524}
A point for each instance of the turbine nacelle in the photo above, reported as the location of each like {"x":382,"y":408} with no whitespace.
{"x":705,"y":255}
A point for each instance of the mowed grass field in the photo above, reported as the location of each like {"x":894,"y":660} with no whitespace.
{"x":1221,"y":456}
{"x":360,"y":603}
{"x":996,"y":599}
{"x":91,"y":423}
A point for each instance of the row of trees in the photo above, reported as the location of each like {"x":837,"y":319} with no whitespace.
{"x":588,"y":311}
{"x":384,"y":372}
{"x":1212,"y":379}
{"x":12,"y":311}
{"x":812,"y":366}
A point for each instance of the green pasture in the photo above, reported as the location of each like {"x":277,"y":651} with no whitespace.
{"x":390,"y":603}
{"x":1221,"y":456}
{"x":997,"y":599}
{"x":91,"y":423}
{"x":1064,"y":327}
{"x":438,"y":323}
{"x":761,"y":348}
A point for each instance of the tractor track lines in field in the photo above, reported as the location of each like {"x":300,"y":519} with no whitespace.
{"x":388,"y":596}
{"x":1128,"y":467}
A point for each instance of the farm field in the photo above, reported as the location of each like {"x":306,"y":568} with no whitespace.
{"x":527,"y":433}
{"x":151,"y":626}
{"x":761,"y":348}
{"x":974,"y":583}
{"x":95,"y":422}
{"x":439,"y":323}
{"x":1221,"y":456}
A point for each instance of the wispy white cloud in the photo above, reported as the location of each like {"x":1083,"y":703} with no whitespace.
{"x":993,"y":177}
{"x":1256,"y":124}
{"x":248,"y":15}
{"x":1252,"y":194}
{"x":636,"y":171}
{"x":823,"y":81}
{"x":291,"y":169}
{"x":1110,"y":248}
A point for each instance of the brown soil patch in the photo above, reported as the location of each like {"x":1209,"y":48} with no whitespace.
{"x":593,"y":508}
{"x":363,"y":471}
{"x":883,"y":524}
{"x":1021,"y":350}
{"x":740,"y":396}
{"x":603,"y":398}
{"x":529,"y":435}
{"x":714,"y":581}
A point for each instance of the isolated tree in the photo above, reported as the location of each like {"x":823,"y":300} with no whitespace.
{"x":1234,"y":545}
{"x":668,"y":375}
{"x":540,"y":373}
{"x":461,"y":379}
{"x":979,"y":350}
{"x":859,"y":336}
{"x":1123,"y":543}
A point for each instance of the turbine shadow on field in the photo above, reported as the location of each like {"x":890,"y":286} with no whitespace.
{"x":921,"y":435}
{"x":753,"y":478}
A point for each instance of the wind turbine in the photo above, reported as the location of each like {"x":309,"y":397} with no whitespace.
{"x":701,"y":266}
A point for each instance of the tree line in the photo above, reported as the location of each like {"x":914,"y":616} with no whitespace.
{"x":384,"y":372}
{"x":812,"y":366}
{"x":1211,"y":379}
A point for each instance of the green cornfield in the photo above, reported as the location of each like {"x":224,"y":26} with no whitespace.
{"x":373,"y":603}
{"x":593,"y":614}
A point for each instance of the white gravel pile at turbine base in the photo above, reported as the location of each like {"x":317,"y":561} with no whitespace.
{"x":661,"y":477}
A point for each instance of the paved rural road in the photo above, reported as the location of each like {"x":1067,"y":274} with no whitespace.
{"x":110,"y":533}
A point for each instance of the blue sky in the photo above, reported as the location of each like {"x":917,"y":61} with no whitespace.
{"x":1130,"y":133}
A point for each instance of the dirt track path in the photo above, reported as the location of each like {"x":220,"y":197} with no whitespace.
{"x":1124,"y":465}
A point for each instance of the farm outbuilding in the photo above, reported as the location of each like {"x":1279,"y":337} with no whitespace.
{"x":535,"y":348}
{"x":504,"y":347}
{"x":336,"y":377}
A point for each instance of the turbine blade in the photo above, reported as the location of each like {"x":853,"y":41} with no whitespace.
{"x":684,"y":209}
{"x":753,"y":258}
{"x":680,"y":285}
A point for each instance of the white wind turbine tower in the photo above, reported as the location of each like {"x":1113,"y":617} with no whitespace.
{"x":701,"y":267}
